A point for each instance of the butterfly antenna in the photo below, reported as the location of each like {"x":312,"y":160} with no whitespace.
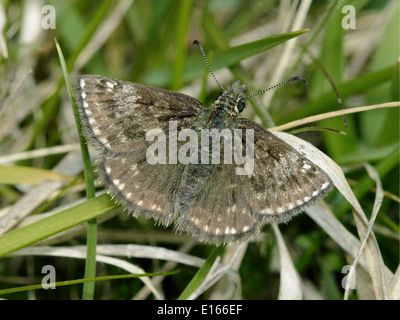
{"x":277,"y":85}
{"x":208,"y":65}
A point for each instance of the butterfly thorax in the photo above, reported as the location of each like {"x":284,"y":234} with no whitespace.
{"x":231,"y":100}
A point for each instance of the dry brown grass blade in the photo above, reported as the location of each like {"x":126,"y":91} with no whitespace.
{"x":333,"y":114}
{"x":373,"y":256}
{"x":377,"y":281}
{"x":70,"y":165}
{"x":290,"y":284}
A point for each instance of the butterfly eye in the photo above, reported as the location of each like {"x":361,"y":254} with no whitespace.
{"x":241,"y":105}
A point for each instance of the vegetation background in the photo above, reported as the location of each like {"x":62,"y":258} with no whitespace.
{"x":151,"y":42}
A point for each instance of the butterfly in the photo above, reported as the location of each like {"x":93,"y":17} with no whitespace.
{"x":208,"y":199}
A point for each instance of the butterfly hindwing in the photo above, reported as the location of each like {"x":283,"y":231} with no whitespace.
{"x":218,"y":211}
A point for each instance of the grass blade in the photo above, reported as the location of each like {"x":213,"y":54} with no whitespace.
{"x":56,"y":223}
{"x":194,"y":67}
{"x":78,"y":281}
{"x":90,"y":266}
{"x":201,"y":273}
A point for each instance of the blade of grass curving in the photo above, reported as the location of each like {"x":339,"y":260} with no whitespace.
{"x":332,"y":114}
{"x":42,"y":229}
{"x":90,"y":266}
{"x":78,"y":281}
{"x":31,"y":176}
{"x":201,"y":273}
{"x":379,"y":279}
{"x":194,"y":66}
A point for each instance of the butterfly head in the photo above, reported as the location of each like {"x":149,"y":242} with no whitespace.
{"x":232,"y":99}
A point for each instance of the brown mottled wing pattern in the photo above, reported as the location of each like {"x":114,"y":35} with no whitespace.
{"x":218,"y":212}
{"x":283,"y":182}
{"x":116,"y":116}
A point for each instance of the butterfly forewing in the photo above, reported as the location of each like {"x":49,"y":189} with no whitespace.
{"x":117,"y":114}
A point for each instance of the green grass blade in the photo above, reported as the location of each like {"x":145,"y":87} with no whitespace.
{"x":27,"y":175}
{"x":90,"y":266}
{"x":63,"y":220}
{"x":78,"y":281}
{"x":201,"y":273}
{"x":194,"y":66}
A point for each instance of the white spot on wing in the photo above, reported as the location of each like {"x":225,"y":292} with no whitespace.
{"x":325,"y":185}
{"x":110,"y":85}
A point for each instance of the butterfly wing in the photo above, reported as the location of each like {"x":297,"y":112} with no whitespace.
{"x":217,"y":212}
{"x":283,"y":182}
{"x":116,"y":115}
